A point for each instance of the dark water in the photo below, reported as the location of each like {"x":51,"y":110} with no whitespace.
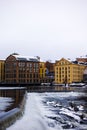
{"x":10,"y":98}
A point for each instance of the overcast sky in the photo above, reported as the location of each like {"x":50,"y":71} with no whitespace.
{"x":51,"y":29}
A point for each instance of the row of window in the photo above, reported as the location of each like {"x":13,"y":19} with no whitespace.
{"x":68,"y":68}
{"x":22,"y":81}
{"x":35,"y":65}
{"x":62,"y":75}
{"x":78,"y":71}
{"x":22,"y":64}
{"x":62,"y":68}
{"x":22,"y":70}
{"x":62,"y":80}
{"x":64,"y":63}
{"x":22,"y":76}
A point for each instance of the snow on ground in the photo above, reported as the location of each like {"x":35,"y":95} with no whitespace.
{"x":33,"y":118}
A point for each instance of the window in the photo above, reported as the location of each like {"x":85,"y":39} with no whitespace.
{"x":27,"y":64}
{"x":30,"y":65}
{"x":14,"y":64}
{"x":21,"y":64}
{"x":30,"y":69}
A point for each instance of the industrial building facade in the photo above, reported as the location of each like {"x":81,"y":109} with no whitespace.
{"x":68,"y":72}
{"x":17,"y":69}
{"x":21,"y":70}
{"x":46,"y":72}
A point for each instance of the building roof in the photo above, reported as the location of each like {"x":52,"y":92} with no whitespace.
{"x":83,"y":57}
{"x":2,"y":60}
{"x":26,"y":58}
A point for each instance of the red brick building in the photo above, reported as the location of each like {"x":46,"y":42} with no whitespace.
{"x":82,"y":59}
{"x":21,"y":69}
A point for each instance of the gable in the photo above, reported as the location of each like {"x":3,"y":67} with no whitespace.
{"x":10,"y":58}
{"x":63,"y":62}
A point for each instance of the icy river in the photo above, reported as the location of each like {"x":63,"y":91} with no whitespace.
{"x":53,"y":111}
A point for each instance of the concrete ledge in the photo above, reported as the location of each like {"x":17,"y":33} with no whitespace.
{"x":11,"y":116}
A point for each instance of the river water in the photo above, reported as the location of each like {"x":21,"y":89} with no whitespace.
{"x":50,"y":111}
{"x":10,"y":98}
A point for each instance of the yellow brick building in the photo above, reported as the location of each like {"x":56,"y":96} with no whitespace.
{"x":42,"y":71}
{"x":68,"y":72}
{"x":2,"y":73}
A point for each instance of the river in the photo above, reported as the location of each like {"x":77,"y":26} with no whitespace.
{"x":53,"y":111}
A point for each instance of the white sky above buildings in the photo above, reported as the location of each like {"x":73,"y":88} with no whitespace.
{"x":51,"y":29}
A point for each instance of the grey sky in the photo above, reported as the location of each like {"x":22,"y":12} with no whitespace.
{"x":51,"y":29}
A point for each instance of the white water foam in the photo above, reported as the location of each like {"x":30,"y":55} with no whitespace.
{"x":34,"y":117}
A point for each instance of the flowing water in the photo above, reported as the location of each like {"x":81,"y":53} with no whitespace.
{"x":54,"y":111}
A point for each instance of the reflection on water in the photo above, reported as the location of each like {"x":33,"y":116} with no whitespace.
{"x":10,"y":98}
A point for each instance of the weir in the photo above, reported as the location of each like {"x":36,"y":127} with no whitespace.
{"x":8,"y":118}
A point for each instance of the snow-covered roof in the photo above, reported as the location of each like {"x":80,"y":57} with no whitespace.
{"x":85,"y":57}
{"x":2,"y":59}
{"x":26,"y":58}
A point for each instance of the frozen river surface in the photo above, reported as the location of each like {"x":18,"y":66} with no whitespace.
{"x":53,"y":111}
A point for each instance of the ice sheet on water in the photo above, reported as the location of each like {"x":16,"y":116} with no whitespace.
{"x":63,"y":94}
{"x":70,"y":113}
